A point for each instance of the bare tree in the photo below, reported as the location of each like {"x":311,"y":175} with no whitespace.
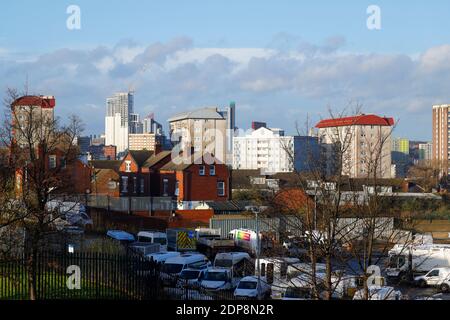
{"x":344,"y":213}
{"x":41,"y":151}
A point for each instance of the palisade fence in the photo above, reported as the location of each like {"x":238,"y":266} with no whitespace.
{"x":101,"y":276}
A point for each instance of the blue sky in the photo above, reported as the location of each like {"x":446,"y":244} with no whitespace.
{"x":283,"y":59}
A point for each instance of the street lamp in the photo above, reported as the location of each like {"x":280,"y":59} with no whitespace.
{"x":258,"y":267}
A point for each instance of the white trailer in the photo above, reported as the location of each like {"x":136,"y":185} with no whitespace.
{"x":156,"y":237}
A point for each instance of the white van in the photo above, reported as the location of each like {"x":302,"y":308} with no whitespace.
{"x":435,"y":277}
{"x":249,"y":287}
{"x":174,"y":266}
{"x":229,"y":268}
{"x":161,"y":257}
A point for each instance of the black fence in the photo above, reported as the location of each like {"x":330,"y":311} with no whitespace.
{"x":79,"y":276}
{"x":91,"y":275}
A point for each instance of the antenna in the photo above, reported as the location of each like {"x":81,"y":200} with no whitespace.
{"x":26,"y":84}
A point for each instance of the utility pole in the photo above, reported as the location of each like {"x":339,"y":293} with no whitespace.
{"x":258,"y":267}
{"x":315,"y":208}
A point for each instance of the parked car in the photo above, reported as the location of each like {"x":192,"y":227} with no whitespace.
{"x":250,"y":287}
{"x":435,"y":277}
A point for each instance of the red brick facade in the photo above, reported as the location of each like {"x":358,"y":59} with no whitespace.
{"x":158,"y":176}
{"x":194,"y":186}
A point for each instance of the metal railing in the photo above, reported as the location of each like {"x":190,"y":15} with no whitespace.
{"x":126,"y":204}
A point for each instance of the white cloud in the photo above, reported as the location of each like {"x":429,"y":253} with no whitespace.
{"x":274,"y":81}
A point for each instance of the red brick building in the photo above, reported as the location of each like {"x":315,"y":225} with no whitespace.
{"x":70,"y":177}
{"x":105,"y":177}
{"x":110,"y":152}
{"x":195,"y":181}
{"x":143,"y":173}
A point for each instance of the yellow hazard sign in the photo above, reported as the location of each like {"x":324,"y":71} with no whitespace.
{"x":184,"y":241}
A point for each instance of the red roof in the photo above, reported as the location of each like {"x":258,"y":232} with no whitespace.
{"x":361,"y":120}
{"x":43,"y":102}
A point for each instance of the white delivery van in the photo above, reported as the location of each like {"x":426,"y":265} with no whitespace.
{"x":161,"y":257}
{"x":435,"y":277}
{"x":174,"y":266}
{"x":229,"y":268}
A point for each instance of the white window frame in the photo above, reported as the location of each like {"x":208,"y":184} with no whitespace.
{"x":165,"y":187}
{"x":201,"y":170}
{"x":124,"y":184}
{"x":177,"y":188}
{"x":52,"y":162}
{"x":221,"y":194}
{"x":212,"y":170}
{"x":127,"y":166}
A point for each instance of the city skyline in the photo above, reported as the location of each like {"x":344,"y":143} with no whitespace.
{"x":288,"y":61}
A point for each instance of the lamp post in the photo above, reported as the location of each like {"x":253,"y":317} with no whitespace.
{"x":315,"y":208}
{"x":258,"y":267}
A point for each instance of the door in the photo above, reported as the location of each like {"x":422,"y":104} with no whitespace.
{"x":433,"y":277}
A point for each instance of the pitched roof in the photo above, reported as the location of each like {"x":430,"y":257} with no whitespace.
{"x":153,"y":160}
{"x":99,"y":173}
{"x":180,"y":163}
{"x":106,"y":164}
{"x":141,"y":156}
{"x":203,"y":113}
{"x":360,"y":120}
{"x":42,"y":101}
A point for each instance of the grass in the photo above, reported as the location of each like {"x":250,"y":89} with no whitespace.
{"x":15,"y":287}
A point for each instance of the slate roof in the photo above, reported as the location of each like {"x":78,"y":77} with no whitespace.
{"x":141,"y":156}
{"x":203,"y":113}
{"x":150,"y":162}
{"x":106,"y":164}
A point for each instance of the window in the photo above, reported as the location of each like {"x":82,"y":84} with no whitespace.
{"x":201,"y":170}
{"x":134,"y":185}
{"x":212,"y":170}
{"x":434,"y":273}
{"x":124,"y":184}
{"x":52,"y":162}
{"x":142,"y":185}
{"x":221,"y":188}
{"x":63,"y":163}
{"x":263,"y":269}
{"x":177,"y":190}
{"x":165,"y":187}
{"x":127,"y":166}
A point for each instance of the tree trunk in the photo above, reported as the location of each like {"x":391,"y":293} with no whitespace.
{"x":32,"y":280}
